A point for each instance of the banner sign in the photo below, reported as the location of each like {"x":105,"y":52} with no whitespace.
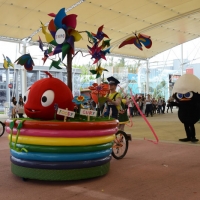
{"x":66,"y":113}
{"x":88,"y":112}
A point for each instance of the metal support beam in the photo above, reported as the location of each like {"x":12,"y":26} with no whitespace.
{"x":16,"y":83}
{"x":7,"y":82}
{"x":182,"y":59}
{"x":24,"y":75}
{"x":147,"y":77}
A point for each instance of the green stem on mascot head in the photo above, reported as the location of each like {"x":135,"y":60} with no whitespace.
{"x":18,"y":131}
{"x":11,"y":125}
{"x":79,"y":108}
{"x":98,"y":105}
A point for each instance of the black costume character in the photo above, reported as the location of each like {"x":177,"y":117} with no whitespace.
{"x":188,"y":113}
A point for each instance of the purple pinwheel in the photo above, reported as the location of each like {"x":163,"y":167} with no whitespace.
{"x":97,"y":51}
{"x":100,"y":34}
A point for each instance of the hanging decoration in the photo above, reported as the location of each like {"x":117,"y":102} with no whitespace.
{"x":26,"y":61}
{"x":97,"y":50}
{"x":7,"y":62}
{"x":138,"y":40}
{"x":98,"y":71}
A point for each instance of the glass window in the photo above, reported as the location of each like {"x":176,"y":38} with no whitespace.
{"x":43,"y":75}
{"x":31,"y":78}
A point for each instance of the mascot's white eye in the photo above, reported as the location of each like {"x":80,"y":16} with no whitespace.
{"x":188,"y":95}
{"x":179,"y":95}
{"x":47,"y":98}
{"x":26,"y":96}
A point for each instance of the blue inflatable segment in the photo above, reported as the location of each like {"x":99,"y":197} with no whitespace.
{"x":61,"y":157}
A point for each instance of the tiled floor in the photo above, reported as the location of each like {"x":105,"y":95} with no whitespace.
{"x":169,"y":170}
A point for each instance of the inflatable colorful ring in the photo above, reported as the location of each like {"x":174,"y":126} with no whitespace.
{"x":61,"y":157}
{"x":60,"y":175}
{"x":60,"y":125}
{"x":63,"y":133}
{"x":63,"y":149}
{"x":60,"y":165}
{"x":83,"y":146}
{"x":52,"y":141}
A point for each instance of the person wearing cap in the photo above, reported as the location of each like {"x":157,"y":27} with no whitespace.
{"x":113,"y":98}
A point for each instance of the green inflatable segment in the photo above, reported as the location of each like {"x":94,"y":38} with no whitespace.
{"x":60,"y":175}
{"x":63,"y":149}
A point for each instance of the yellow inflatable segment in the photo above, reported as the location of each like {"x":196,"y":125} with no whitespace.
{"x":52,"y":141}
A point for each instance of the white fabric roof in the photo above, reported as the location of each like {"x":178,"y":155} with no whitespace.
{"x":168,"y":22}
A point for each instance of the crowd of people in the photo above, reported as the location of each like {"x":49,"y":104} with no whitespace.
{"x":17,"y":108}
{"x":150,"y":106}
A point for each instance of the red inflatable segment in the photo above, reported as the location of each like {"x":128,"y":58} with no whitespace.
{"x":63,"y":133}
{"x":60,"y":125}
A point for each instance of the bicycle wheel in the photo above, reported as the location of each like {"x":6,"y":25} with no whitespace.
{"x":120,"y":146}
{"x":2,"y":129}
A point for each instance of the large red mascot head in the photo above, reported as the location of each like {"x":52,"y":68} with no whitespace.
{"x":41,"y":97}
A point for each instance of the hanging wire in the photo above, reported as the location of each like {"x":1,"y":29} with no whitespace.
{"x":176,"y":55}
{"x":195,"y":56}
{"x":193,"y":48}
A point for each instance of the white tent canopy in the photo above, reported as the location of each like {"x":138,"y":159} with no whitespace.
{"x":168,"y":22}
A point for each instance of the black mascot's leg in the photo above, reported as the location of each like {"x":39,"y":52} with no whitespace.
{"x":193,"y":133}
{"x":188,"y":133}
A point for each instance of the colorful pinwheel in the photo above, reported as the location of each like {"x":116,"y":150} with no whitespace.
{"x":100,"y":34}
{"x":48,"y":52}
{"x":98,"y":92}
{"x":101,"y":89}
{"x":97,"y":50}
{"x":55,"y":64}
{"x":138,"y":40}
{"x":62,"y":32}
{"x":98,"y":71}
{"x":27,"y":61}
{"x":80,"y":99}
{"x":41,"y":45}
{"x":7,"y":62}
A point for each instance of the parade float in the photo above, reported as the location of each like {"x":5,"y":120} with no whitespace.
{"x":54,"y":142}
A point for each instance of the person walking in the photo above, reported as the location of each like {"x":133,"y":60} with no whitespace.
{"x":149,"y":106}
{"x":20,"y":107}
{"x":170,"y":103}
{"x":160,"y":105}
{"x":113,"y":98}
{"x":163,"y":105}
{"x":13,"y":107}
{"x":130,"y":107}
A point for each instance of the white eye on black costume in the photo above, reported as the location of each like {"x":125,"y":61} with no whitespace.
{"x":26,"y":96}
{"x":188,"y":95}
{"x":47,"y":98}
{"x":179,"y":95}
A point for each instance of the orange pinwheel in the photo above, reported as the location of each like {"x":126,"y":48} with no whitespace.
{"x":101,"y":89}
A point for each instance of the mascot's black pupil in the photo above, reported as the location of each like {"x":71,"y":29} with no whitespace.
{"x":44,"y":99}
{"x":24,"y":98}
